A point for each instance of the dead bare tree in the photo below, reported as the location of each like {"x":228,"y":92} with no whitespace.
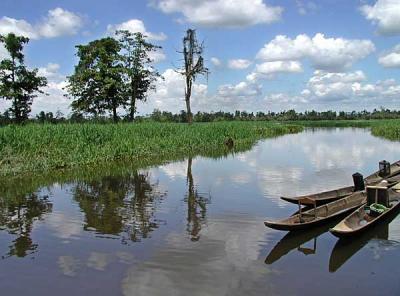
{"x":194,"y":66}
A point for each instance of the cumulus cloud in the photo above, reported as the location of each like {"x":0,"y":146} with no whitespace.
{"x":18,"y":27}
{"x":222,"y":13}
{"x":239,"y":64}
{"x":330,"y":54}
{"x":3,"y":52}
{"x":157,"y":56}
{"x":267,"y":69}
{"x":334,"y":86}
{"x":242,"y":89}
{"x":230,"y":97}
{"x":135,"y":26}
{"x":216,"y":62}
{"x":58,"y":22}
{"x":391,"y":59}
{"x":170,"y":94}
{"x":385,"y":14}
{"x":351,"y":90}
{"x":55,"y":99}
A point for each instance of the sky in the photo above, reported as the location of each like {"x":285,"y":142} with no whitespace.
{"x":263,"y":55}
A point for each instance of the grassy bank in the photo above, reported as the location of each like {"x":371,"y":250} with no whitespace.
{"x":385,"y":128}
{"x":344,"y":123}
{"x":38,"y":148}
{"x":389,"y":130}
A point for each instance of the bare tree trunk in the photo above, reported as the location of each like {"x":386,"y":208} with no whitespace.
{"x":194,"y":65}
{"x":188,"y":94}
{"x":115,"y":116}
{"x":132,"y":109}
{"x":133,"y":101}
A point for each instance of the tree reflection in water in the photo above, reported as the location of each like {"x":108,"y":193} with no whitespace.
{"x":197,"y":206}
{"x":17,"y":216}
{"x":123,"y":205}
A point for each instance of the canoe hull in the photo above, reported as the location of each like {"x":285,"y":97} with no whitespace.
{"x":307,"y":225}
{"x":323,"y":197}
{"x":322,"y":214}
{"x":333,"y":195}
{"x":351,"y":232}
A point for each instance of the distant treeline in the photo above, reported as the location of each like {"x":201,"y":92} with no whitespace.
{"x":164,"y":116}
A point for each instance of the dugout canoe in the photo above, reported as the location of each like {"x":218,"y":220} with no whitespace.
{"x":321,"y":214}
{"x":344,"y":248}
{"x":361,"y":219}
{"x":323,"y":197}
{"x":332,"y":195}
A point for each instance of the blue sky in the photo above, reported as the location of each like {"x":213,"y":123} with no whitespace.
{"x":263,"y":55}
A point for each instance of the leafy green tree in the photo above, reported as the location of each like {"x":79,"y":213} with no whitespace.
{"x":17,"y":83}
{"x":140,"y":75}
{"x":97,"y":83}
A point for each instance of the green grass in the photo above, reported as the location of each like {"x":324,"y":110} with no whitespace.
{"x":342,"y":123}
{"x":389,"y":130}
{"x":38,"y":148}
{"x":385,"y":128}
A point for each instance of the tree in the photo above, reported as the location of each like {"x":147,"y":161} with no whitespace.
{"x":97,"y":84}
{"x":194,"y":65}
{"x":17,"y":83}
{"x":140,"y":75}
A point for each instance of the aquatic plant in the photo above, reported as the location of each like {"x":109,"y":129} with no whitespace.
{"x":37,"y":148}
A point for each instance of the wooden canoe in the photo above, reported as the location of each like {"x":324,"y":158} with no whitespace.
{"x":360,"y":220}
{"x":332,"y":195}
{"x":321,"y":214}
{"x":375,"y":178}
{"x":344,"y":248}
{"x":323,"y":197}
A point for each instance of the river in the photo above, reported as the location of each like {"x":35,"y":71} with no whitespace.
{"x":195,"y":227}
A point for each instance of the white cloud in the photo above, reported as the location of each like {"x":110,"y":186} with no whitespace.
{"x":269,"y":68}
{"x":18,"y":27}
{"x":242,"y":89}
{"x":385,"y":14}
{"x":55,"y":99}
{"x":58,"y":22}
{"x":336,"y":91}
{"x":222,"y":13}
{"x":137,"y":26}
{"x":244,"y":95}
{"x":3,"y":52}
{"x":331,"y":54}
{"x":305,"y":7}
{"x":170,"y":94}
{"x":335,"y":86}
{"x":391,"y":59}
{"x":157,"y":56}
{"x":216,"y":62}
{"x":134,"y":26}
{"x":284,"y":99}
{"x":239,"y":64}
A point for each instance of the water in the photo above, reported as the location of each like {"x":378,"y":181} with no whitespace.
{"x":195,"y":227}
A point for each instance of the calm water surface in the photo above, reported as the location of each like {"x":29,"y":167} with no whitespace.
{"x":195,"y":227}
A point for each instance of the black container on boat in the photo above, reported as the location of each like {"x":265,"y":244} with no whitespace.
{"x":384,"y":168}
{"x":358,"y":180}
